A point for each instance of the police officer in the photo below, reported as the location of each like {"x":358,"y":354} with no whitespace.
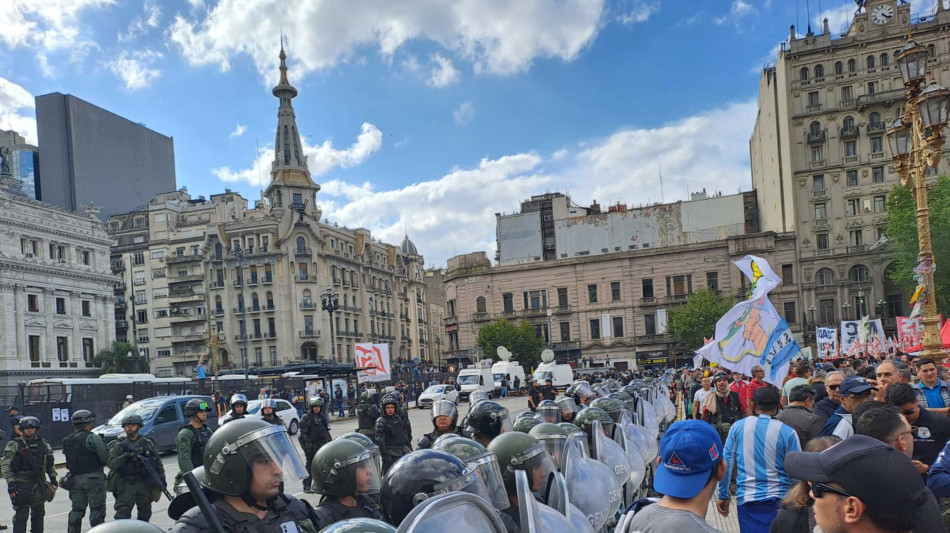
{"x":134,"y":485}
{"x":269,"y":412}
{"x":244,"y":463}
{"x":86,"y":454}
{"x":534,"y":394}
{"x":549,"y":411}
{"x":367,"y":413}
{"x":345,"y":473}
{"x":314,"y":433}
{"x":393,"y":434}
{"x":27,"y":459}
{"x":444,"y":421}
{"x":192,"y":437}
{"x":238,"y":407}
{"x":487,"y":420}
{"x":548,"y":392}
{"x":520,"y":451}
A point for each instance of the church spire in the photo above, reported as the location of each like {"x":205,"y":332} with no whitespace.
{"x":290,"y":164}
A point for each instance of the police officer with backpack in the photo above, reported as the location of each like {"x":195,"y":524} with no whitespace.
{"x":192,"y":437}
{"x":27,"y":459}
{"x":314,"y":433}
{"x":86,"y":454}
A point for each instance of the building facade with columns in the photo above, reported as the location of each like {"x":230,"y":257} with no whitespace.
{"x":56,"y":288}
{"x":819,"y":147}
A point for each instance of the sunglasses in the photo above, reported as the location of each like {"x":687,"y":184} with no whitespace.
{"x":204,"y":406}
{"x":833,"y":387}
{"x":820,"y":489}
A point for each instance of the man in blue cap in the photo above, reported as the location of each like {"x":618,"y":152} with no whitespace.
{"x":853,"y":391}
{"x":691,"y":464}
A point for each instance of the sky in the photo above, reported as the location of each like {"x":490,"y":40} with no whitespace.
{"x":424,"y":117}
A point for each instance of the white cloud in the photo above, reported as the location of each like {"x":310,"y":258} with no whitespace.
{"x":320,"y":159}
{"x":47,"y":24}
{"x":238,"y":130}
{"x":496,"y":36}
{"x":839,"y":19}
{"x":737,"y":11}
{"x":639,"y":11}
{"x":47,"y":70}
{"x":150,"y":19}
{"x":14,"y":100}
{"x":135,"y":68}
{"x":443,"y":73}
{"x":464,"y":114}
{"x":559,"y":154}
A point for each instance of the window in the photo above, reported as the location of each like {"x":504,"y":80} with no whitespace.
{"x":647,"y":287}
{"x":480,"y":305}
{"x":850,"y":149}
{"x":257,"y":327}
{"x":33,"y":303}
{"x":138,"y":258}
{"x":846,"y":94}
{"x":819,"y":72}
{"x":649,"y":324}
{"x":141,"y":298}
{"x":816,"y":154}
{"x":535,"y":299}
{"x":852,"y":66}
{"x":932,"y":50}
{"x":712,"y":281}
{"x":880,"y":204}
{"x":272,"y":352}
{"x":167,"y":415}
{"x":141,"y":317}
{"x":160,"y":273}
{"x":615,"y":291}
{"x":852,"y":206}
{"x":541,"y":332}
{"x":814,"y":128}
{"x":821,"y":212}
{"x":679,"y":285}
{"x":877,"y":174}
{"x":301,"y":245}
{"x":825,"y":277}
{"x":848,"y":123}
{"x":877,"y":145}
{"x":565,"y":331}
{"x":592,"y":293}
{"x":158,"y":254}
{"x":594,"y":328}
{"x":852,"y":178}
{"x":88,"y":351}
{"x":86,"y":308}
{"x":813,"y":99}
{"x":61,"y":306}
{"x":803,"y":74}
{"x":297,"y":198}
{"x":821,"y":241}
{"x":789,"y":312}
{"x":826,"y":311}
{"x":33,"y":348}
{"x":885,"y":59}
{"x":270,"y":300}
{"x":85,"y":257}
{"x":870,"y":61}
{"x":271,"y":327}
{"x":618,"y":326}
{"x":507,"y":302}
{"x":858,"y":273}
{"x":871,"y":87}
{"x":161,"y":313}
{"x":302,"y":272}
{"x":62,"y":349}
{"x":839,"y":68}
{"x":562,"y":297}
{"x":857,"y":237}
{"x":788,"y":273}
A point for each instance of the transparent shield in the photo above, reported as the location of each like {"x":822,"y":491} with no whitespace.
{"x":579,"y":522}
{"x":538,"y":465}
{"x":444,"y":408}
{"x":600,"y":390}
{"x":491,"y":475}
{"x":648,"y":420}
{"x":552,"y":521}
{"x":269,"y":452}
{"x":506,"y":424}
{"x":637,"y":436}
{"x":566,"y":405}
{"x":637,"y":466}
{"x":608,"y":452}
{"x":366,"y":472}
{"x":527,"y":505}
{"x":470,"y":481}
{"x":458,"y":512}
{"x":556,"y":495}
{"x":550,"y":413}
{"x":590,"y":484}
{"x":555,"y":446}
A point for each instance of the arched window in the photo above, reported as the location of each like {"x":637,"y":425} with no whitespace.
{"x":240,"y":302}
{"x":839,"y":68}
{"x":870,"y":62}
{"x":858,"y":273}
{"x":301,"y":245}
{"x":825,"y":277}
{"x":270,"y":300}
{"x":803,"y":74}
{"x":874,"y":118}
{"x":848,"y":123}
{"x":885,"y":59}
{"x":255,"y":301}
{"x":814,"y":128}
{"x":307,"y":297}
{"x":852,"y":66}
{"x":480,"y":305}
{"x":217,"y":305}
{"x":819,"y":71}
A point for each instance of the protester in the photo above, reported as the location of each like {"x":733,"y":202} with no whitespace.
{"x":932,"y":392}
{"x":887,"y":375}
{"x":758,"y":377}
{"x":797,"y":514}
{"x":931,"y":431}
{"x":740,"y":386}
{"x":722,"y":408}
{"x":700,"y":396}
{"x":802,"y":377}
{"x":798,"y":414}
{"x":826,"y":407}
{"x":818,"y":384}
{"x":853,"y":391}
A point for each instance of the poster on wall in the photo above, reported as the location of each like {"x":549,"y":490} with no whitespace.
{"x":374,"y":359}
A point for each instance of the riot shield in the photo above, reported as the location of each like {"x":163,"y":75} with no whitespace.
{"x":460,"y":512}
{"x":590,"y":484}
{"x":611,"y":454}
{"x":535,"y":516}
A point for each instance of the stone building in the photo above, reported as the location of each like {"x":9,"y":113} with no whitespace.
{"x":56,"y":288}
{"x":819,"y":147}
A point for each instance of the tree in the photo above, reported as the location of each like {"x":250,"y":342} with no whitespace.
{"x":116,"y":359}
{"x":901,"y":231}
{"x":521,"y":340}
{"x":695,"y":320}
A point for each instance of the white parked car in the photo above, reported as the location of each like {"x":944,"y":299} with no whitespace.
{"x":285,"y":410}
{"x":436,"y":393}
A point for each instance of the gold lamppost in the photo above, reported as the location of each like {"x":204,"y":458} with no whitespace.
{"x":212,"y":343}
{"x":916,"y":140}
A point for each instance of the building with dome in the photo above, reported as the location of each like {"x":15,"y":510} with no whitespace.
{"x":257,"y":278}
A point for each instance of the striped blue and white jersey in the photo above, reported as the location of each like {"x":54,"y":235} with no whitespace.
{"x":757,"y":447}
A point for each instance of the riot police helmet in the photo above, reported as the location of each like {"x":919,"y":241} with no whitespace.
{"x":611,"y":406}
{"x":82,"y":417}
{"x":459,"y":511}
{"x":520,"y":451}
{"x":195,"y":406}
{"x":477,"y":396}
{"x":445,"y":408}
{"x":359,"y":525}
{"x":366,"y":443}
{"x":476,"y":455}
{"x":525,"y":423}
{"x":553,"y":436}
{"x":236,"y":451}
{"x":549,"y":411}
{"x":238,"y":399}
{"x":344,"y":468}
{"x":586,"y":417}
{"x":489,"y":419}
{"x":28,"y":422}
{"x":316,"y":401}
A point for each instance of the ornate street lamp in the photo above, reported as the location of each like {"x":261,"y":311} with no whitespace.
{"x":916,"y":141}
{"x":331,"y":302}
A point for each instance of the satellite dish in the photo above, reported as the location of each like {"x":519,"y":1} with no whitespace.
{"x":503,"y":353}
{"x":547,"y":355}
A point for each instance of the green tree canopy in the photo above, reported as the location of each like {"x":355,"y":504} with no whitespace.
{"x":116,"y":359}
{"x":521,"y":341}
{"x":901,"y":231}
{"x":696,"y":319}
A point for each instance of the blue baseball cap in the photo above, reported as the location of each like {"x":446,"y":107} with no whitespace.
{"x":854,"y":385}
{"x":689,"y":450}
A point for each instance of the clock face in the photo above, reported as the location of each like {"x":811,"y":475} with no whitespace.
{"x":882,"y":14}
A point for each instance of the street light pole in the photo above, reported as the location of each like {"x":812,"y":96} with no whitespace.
{"x":331,"y":302}
{"x":550,"y":334}
{"x":239,"y":259}
{"x":916,"y":140}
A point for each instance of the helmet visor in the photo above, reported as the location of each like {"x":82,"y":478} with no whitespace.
{"x":269,"y":452}
{"x":462,"y":513}
{"x":364,"y":469}
{"x":470,"y":481}
{"x":567,"y":405}
{"x":538,"y":464}
{"x":555,"y":445}
{"x":505,"y":418}
{"x":444,"y":408}
{"x":491,"y":474}
{"x":550,"y":413}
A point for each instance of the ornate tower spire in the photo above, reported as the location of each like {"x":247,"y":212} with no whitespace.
{"x":290,"y":163}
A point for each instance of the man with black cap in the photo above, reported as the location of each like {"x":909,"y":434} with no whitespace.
{"x":861,"y":485}
{"x":757,"y":446}
{"x":14,"y":413}
{"x":854,"y":391}
{"x":549,"y":392}
{"x":691,"y":464}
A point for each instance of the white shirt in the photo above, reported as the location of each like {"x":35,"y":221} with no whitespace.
{"x":700,"y":396}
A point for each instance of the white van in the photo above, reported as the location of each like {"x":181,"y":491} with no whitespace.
{"x":512,"y":369}
{"x":472,"y":379}
{"x":561,"y":376}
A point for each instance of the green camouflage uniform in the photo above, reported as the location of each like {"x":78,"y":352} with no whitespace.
{"x":185,"y":443}
{"x":28,"y":482}
{"x":88,"y":489}
{"x":133,"y":485}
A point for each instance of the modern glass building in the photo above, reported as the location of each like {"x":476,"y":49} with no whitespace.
{"x":25,"y":166}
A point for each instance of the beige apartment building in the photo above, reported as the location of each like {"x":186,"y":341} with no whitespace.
{"x":819,"y":147}
{"x":611,"y":304}
{"x":256,"y":278}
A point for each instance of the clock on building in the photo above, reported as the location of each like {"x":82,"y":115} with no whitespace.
{"x":882,"y":14}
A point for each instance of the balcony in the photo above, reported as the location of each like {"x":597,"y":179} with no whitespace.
{"x":450,"y":320}
{"x":849,"y":133}
{"x":858,"y":248}
{"x":821,"y":223}
{"x":566,"y":345}
{"x":876,"y":127}
{"x":185,"y":316}
{"x":308,"y":333}
{"x":817,"y":164}
{"x":183,"y":258}
{"x":186,"y":279}
{"x":304,"y":278}
{"x":885,"y":98}
{"x":653,"y":339}
{"x":813,"y":108}
{"x":676,"y":298}
{"x":860,"y":285}
{"x":536,"y":311}
{"x":217,"y":284}
{"x":819,"y":194}
{"x":816,"y":137}
{"x":188,"y":337}
{"x":649,"y":300}
{"x":268,"y":280}
{"x":877,"y":156}
{"x":186,"y":294}
{"x":308,"y":305}
{"x":253,"y":280}
{"x":121,"y":324}
{"x":476,"y":317}
{"x":562,"y":309}
{"x":851,"y":159}
{"x":303,"y":252}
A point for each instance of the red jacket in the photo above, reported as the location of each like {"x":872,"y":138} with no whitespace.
{"x":742,"y":389}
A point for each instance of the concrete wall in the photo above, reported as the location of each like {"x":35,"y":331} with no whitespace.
{"x":519,"y":237}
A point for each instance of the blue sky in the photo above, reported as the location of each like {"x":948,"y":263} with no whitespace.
{"x":426,"y":116}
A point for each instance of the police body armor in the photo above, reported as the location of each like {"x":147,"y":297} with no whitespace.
{"x":316,"y":429}
{"x":38,"y":451}
{"x":79,"y":459}
{"x":332,"y":511}
{"x":134,"y":470}
{"x":368,"y":413}
{"x":201,"y":439}
{"x":395,"y":431}
{"x":284,"y":509}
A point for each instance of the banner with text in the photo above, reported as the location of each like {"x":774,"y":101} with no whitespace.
{"x":374,"y":359}
{"x":910,"y":333}
{"x":862,"y":336}
{"x":827,"y":341}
